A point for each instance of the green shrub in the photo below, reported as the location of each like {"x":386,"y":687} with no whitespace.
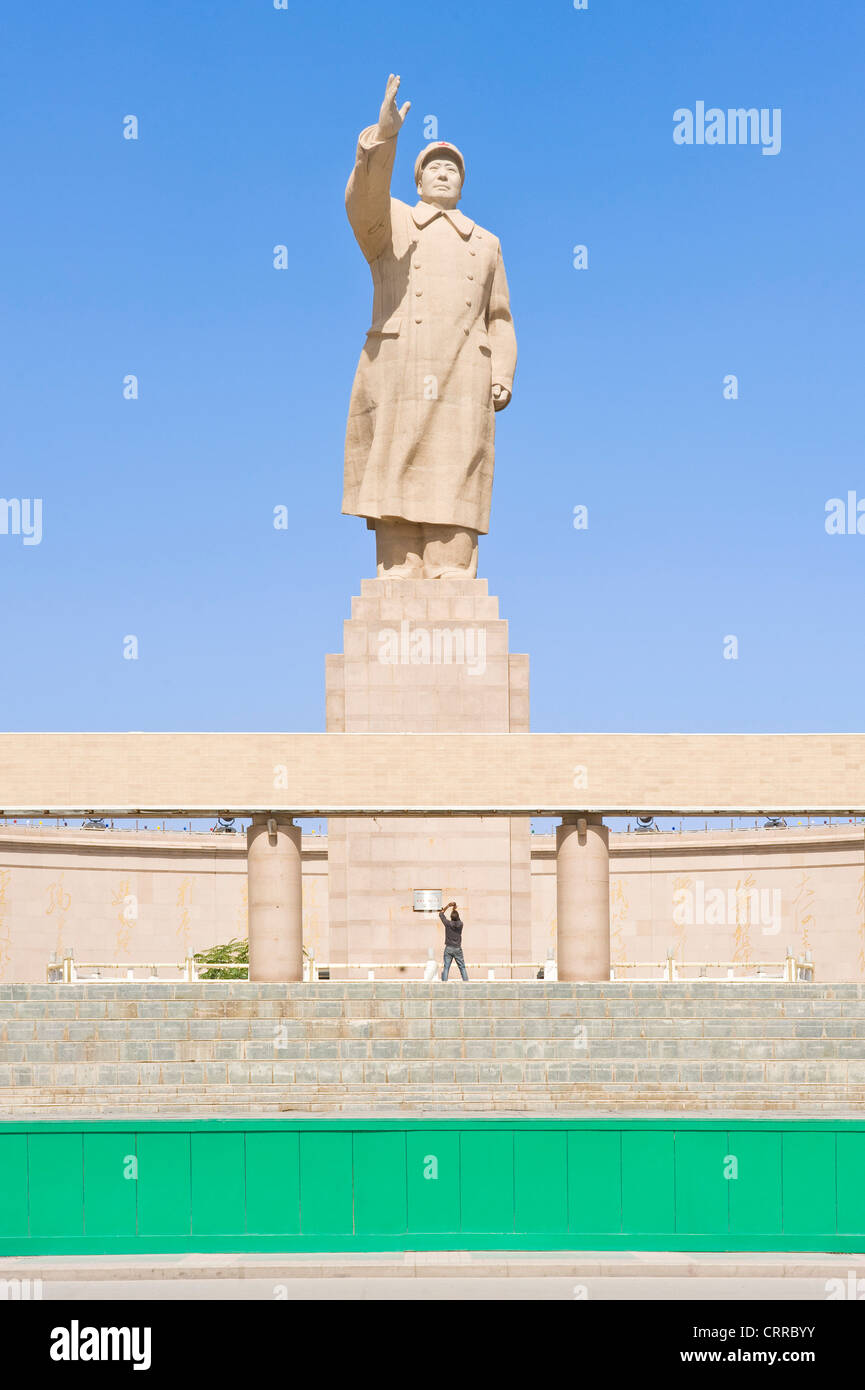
{"x":232,"y":952}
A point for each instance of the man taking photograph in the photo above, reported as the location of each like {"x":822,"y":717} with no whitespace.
{"x":453,"y":941}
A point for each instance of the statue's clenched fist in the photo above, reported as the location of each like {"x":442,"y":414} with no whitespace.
{"x":391,"y":117}
{"x":501,"y":396}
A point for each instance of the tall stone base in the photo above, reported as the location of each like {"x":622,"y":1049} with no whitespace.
{"x":427,"y":656}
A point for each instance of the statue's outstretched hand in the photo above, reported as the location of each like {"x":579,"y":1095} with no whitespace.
{"x":391,"y":117}
{"x":501,"y":396}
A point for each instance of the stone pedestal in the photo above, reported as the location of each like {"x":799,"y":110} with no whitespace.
{"x":427,"y":656}
{"x":583,"y":899}
{"x":275,"y":910}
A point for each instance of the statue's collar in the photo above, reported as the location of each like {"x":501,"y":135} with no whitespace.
{"x":423,"y":213}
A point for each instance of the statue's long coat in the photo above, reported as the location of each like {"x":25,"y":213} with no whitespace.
{"x":420,"y":436}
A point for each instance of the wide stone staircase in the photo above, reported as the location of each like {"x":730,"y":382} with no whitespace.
{"x":237,"y":1049}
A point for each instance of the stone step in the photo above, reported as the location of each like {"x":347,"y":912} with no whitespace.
{"x":593,"y":1101}
{"x":283,"y":1032}
{"x":475,"y":1045}
{"x":638,"y":1052}
{"x":672,"y":1071}
{"x":168,"y":1011}
{"x":271,"y":1039}
{"x":143,"y":1008}
{"x":615,"y":991}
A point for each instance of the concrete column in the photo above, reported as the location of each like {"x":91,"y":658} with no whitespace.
{"x":275,"y":912}
{"x":583,"y":898}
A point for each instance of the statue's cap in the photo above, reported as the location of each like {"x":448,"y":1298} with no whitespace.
{"x":439,"y":149}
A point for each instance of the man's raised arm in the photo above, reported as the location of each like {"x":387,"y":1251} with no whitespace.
{"x":367,"y":197}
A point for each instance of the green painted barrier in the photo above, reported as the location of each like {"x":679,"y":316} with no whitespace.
{"x":316,"y":1185}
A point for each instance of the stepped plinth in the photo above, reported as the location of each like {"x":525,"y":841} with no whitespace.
{"x":533,"y":1048}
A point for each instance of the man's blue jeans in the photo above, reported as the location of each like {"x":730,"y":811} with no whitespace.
{"x":454,"y":953}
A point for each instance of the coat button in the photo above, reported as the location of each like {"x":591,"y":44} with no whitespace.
{"x":418,"y":293}
{"x":468,"y":304}
{"x":470,"y":277}
{"x":418,"y":320}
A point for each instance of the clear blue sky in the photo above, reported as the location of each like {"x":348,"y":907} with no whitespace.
{"x":154,"y":257}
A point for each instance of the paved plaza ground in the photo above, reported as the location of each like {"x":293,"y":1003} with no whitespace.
{"x":602,"y":1276}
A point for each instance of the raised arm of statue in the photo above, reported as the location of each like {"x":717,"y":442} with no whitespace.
{"x":367,"y":196}
{"x":503,"y":339}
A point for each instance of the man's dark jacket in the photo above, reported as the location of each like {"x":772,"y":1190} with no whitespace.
{"x":453,"y":931}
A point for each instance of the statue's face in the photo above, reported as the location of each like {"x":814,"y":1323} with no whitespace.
{"x":440,"y":183}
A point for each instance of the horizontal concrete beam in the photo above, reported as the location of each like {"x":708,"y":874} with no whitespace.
{"x":143,"y":774}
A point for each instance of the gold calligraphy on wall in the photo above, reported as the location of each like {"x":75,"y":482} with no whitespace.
{"x":803,"y":910}
{"x":184,"y":897}
{"x":124,"y":900}
{"x":681,"y":885}
{"x":59,"y":902}
{"x":619,"y":912}
{"x":742,"y":934}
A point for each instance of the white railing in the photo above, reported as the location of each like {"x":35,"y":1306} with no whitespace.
{"x":792,"y":969}
{"x":69,"y":971}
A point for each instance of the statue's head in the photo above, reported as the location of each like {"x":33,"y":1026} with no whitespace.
{"x":439,"y":173}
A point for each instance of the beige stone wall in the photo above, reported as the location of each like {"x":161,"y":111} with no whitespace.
{"x":61,"y":888}
{"x":122,"y":896}
{"x":131,"y":774}
{"x":736,"y":896}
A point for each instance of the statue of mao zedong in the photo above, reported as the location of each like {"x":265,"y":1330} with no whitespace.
{"x":437,"y":364}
